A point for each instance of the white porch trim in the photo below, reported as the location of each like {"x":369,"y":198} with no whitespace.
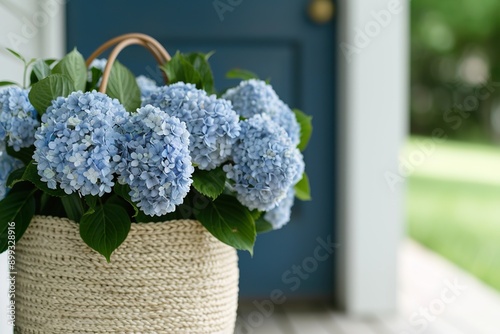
{"x":373,"y":62}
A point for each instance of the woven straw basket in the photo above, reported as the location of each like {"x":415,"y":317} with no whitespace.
{"x":171,"y":277}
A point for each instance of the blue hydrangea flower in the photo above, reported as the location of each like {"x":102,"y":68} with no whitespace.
{"x":254,"y":97}
{"x":265,"y":164}
{"x":77,"y":143}
{"x":280,"y":215}
{"x":18,"y":118}
{"x":8,"y":164}
{"x":155,"y":161}
{"x":146,"y":85}
{"x":285,"y":117}
{"x":212,"y":123}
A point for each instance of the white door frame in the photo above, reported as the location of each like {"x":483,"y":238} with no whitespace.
{"x":373,"y":62}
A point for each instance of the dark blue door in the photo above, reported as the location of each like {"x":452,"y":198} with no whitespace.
{"x":277,"y":40}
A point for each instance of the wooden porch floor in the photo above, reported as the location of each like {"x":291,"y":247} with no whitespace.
{"x":427,"y":305}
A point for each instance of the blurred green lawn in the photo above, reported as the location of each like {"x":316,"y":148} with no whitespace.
{"x":453,"y":205}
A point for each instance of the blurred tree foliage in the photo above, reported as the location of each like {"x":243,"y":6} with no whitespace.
{"x":455,"y":68}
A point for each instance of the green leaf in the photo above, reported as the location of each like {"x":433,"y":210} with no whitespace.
{"x":44,"y":199}
{"x":45,"y":91}
{"x":230,"y":222}
{"x":210,"y":183}
{"x":16,"y":210}
{"x":263,"y":226}
{"x":105,"y":229}
{"x":180,"y":69}
{"x":124,"y":192}
{"x":49,"y":62}
{"x":33,"y":76}
{"x":237,"y":73}
{"x":117,"y":200}
{"x":24,"y":154}
{"x":96,"y":76}
{"x":256,"y":214}
{"x":91,"y":201}
{"x":41,"y":69}
{"x":15,"y":177}
{"x":306,"y":128}
{"x":51,"y":206}
{"x":123,"y":86}
{"x":17,"y":55}
{"x":201,"y":65}
{"x":31,"y":175}
{"x":8,"y":83}
{"x":73,"y":206}
{"x":302,"y":189}
{"x":73,"y":66}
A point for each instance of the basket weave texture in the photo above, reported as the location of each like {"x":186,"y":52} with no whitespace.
{"x":171,"y":277}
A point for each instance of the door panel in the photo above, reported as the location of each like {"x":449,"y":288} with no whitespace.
{"x":276,"y":40}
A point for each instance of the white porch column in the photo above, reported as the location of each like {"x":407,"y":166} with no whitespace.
{"x":373,"y":55}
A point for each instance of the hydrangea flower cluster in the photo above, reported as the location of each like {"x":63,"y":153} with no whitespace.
{"x":254,"y":97}
{"x":8,"y":164}
{"x":146,"y":85}
{"x":280,"y":215}
{"x":212,"y":123}
{"x":265,"y":164}
{"x":18,"y":118}
{"x":77,"y":143}
{"x":155,"y":160}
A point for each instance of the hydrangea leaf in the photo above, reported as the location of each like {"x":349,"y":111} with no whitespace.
{"x":8,"y":83}
{"x":123,"y":86}
{"x":41,"y":70}
{"x":105,"y":229}
{"x":16,"y":211}
{"x":25,"y":154}
{"x":302,"y":189}
{"x":91,"y":201}
{"x":73,"y":65}
{"x":179,"y":69}
{"x":230,"y":222}
{"x":15,"y":177}
{"x":256,"y":214}
{"x":96,"y":76}
{"x":123,"y":191}
{"x":306,"y":128}
{"x":73,"y":207}
{"x":210,"y":183}
{"x":201,"y":65}
{"x":262,"y":225}
{"x":17,"y":55}
{"x":237,"y":73}
{"x":45,"y":91}
{"x":35,"y":77}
